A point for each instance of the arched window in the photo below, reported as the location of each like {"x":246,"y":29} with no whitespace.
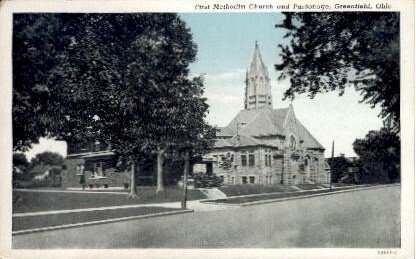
{"x":307,"y":159}
{"x":292,"y":143}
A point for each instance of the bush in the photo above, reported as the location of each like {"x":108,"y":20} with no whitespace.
{"x":48,"y":182}
{"x":203,"y":180}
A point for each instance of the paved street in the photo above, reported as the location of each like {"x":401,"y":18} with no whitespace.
{"x":366,"y":218}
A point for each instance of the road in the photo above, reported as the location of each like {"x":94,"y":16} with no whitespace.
{"x":357,"y":219}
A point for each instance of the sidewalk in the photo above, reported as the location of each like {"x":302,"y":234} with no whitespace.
{"x":30,"y":222}
{"x":193,"y":205}
{"x":253,"y":199}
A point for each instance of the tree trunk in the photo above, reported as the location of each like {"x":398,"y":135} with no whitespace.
{"x":185,"y":180}
{"x":160,"y":159}
{"x":133,"y":187}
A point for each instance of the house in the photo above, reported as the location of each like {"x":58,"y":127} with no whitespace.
{"x":40,"y":172}
{"x":92,"y":165}
{"x":262,"y":145}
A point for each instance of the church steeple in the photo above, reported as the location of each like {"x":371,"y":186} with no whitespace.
{"x":258,"y":89}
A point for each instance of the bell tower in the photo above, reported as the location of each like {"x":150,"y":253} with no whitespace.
{"x":258,"y":89}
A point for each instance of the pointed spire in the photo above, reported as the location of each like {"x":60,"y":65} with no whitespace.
{"x":257,"y":62}
{"x":257,"y":90}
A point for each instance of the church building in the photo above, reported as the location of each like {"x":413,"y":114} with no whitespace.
{"x":262,"y":145}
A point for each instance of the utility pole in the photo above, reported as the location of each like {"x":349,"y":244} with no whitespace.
{"x":185,"y":180}
{"x":330,"y":166}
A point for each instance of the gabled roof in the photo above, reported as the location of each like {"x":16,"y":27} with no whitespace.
{"x":308,"y":140}
{"x":221,"y":143}
{"x":40,"y":169}
{"x":256,"y":123}
{"x":241,"y":140}
{"x":224,"y":132}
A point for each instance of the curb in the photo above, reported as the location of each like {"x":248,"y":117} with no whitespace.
{"x":90,"y":223}
{"x":300,"y":191}
{"x":300,"y":197}
{"x":309,"y":196}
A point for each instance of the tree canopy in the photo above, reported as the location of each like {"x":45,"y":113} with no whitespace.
{"x":121,"y":79}
{"x":339,"y":168}
{"x":47,"y":158}
{"x":379,"y":156}
{"x":20,"y":161}
{"x":83,"y":67}
{"x":331,"y":51}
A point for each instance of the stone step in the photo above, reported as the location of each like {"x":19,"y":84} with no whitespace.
{"x":213,"y":193}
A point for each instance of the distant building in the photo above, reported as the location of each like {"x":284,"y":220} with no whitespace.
{"x":92,"y":165}
{"x":40,"y":172}
{"x":265,"y":145}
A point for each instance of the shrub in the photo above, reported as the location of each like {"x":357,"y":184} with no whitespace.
{"x":47,"y":182}
{"x":203,"y":180}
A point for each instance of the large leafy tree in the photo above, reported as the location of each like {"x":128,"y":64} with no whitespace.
{"x":47,"y":102}
{"x":158,"y":106}
{"x":379,"y":157}
{"x":20,"y":166}
{"x":121,"y":79}
{"x":340,"y":170}
{"x":36,"y":44}
{"x":331,"y":51}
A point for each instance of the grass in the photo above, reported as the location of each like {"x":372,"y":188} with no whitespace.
{"x":44,"y":201}
{"x":240,"y":200}
{"x":236,"y":190}
{"x":32,"y":222}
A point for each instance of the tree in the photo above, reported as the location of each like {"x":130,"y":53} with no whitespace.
{"x":20,"y":161}
{"x":121,"y":79}
{"x":20,"y":165}
{"x":226,"y":162}
{"x":43,"y":45}
{"x":47,"y":158}
{"x":379,"y":156}
{"x":339,"y":168}
{"x":331,"y":51}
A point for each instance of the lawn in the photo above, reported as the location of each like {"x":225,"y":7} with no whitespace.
{"x":236,"y":190}
{"x":45,"y":201}
{"x":240,"y":200}
{"x":32,"y":222}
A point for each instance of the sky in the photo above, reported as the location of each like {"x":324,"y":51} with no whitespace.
{"x":225,"y":47}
